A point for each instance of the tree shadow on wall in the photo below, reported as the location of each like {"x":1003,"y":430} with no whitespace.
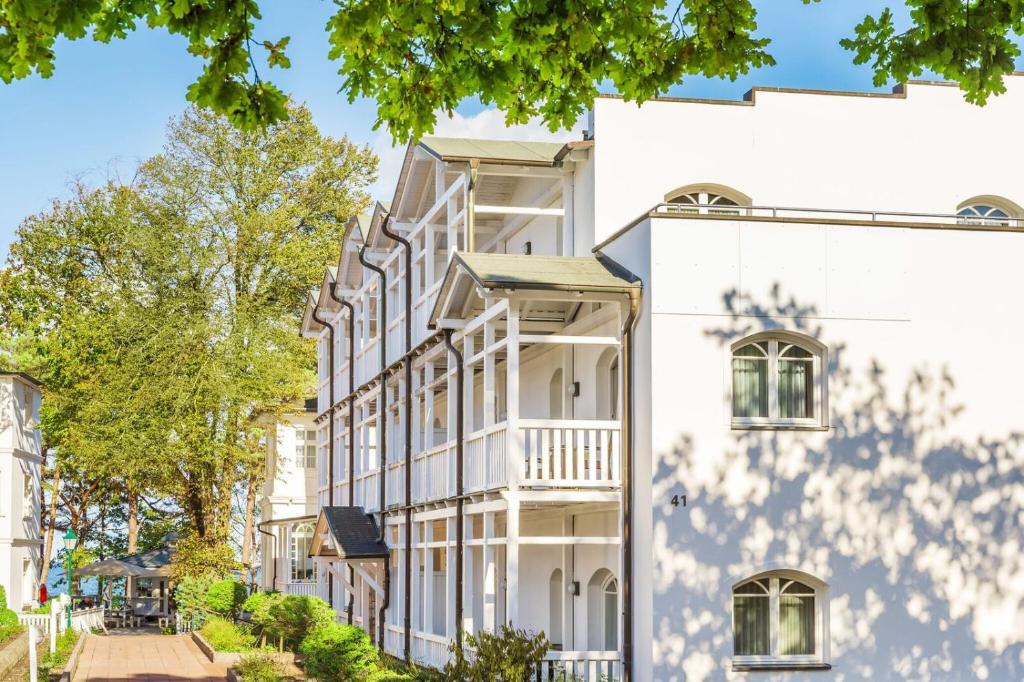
{"x":916,"y":531}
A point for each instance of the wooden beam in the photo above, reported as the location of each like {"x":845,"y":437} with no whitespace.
{"x":519,"y":210}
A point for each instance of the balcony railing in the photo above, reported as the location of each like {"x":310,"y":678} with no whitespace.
{"x":782,"y":212}
{"x":580,"y":666}
{"x":305,"y":588}
{"x":574,"y":454}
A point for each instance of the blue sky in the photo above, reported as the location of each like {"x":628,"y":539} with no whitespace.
{"x":107,"y":106}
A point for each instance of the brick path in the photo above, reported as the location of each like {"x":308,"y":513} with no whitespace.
{"x":153,"y":658}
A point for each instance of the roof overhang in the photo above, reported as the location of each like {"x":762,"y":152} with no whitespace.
{"x":348,"y":534}
{"x":555,"y":277}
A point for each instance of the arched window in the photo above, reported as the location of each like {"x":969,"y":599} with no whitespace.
{"x":778,"y":617}
{"x":608,"y":384}
{"x":301,"y":563}
{"x":556,"y":410}
{"x":709,"y":199}
{"x":556,"y":595}
{"x":778,"y":379}
{"x":603,"y":611}
{"x":988,"y":210}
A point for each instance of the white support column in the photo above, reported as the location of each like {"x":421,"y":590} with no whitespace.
{"x":453,"y":411}
{"x":417,"y":582}
{"x":428,"y":406}
{"x":469,"y":588}
{"x":428,"y":578}
{"x":515,"y":437}
{"x":449,"y":578}
{"x":512,"y":560}
{"x":568,"y":227}
{"x":429,"y":243}
{"x":568,"y":639}
{"x":490,"y":586}
{"x":490,"y":372}
{"x":468,"y":350}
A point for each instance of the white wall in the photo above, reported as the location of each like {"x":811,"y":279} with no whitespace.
{"x":925,"y":152}
{"x":20,"y":460}
{"x":908,"y":506}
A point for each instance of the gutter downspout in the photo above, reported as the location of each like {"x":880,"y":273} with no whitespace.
{"x":407,"y":580}
{"x":351,"y":432}
{"x":330,"y":427}
{"x":627,"y":484}
{"x":273,"y":579}
{"x":459,"y":501}
{"x":382,"y":422}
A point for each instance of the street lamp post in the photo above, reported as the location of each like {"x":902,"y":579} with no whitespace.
{"x":70,"y":540}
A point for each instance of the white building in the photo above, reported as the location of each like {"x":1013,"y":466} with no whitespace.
{"x":720,"y":392}
{"x":289,"y":504}
{"x":20,"y":489}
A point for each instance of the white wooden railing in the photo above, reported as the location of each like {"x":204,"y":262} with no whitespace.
{"x":431,"y":650}
{"x":567,"y":453}
{"x":580,"y":666}
{"x":87,"y":620}
{"x":433,"y":475}
{"x":486,"y":452}
{"x":305,"y":588}
{"x":41,"y":620}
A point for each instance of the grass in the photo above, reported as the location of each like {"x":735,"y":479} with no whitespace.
{"x":8,"y":632}
{"x":57,"y":660}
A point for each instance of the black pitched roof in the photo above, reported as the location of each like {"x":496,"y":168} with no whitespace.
{"x":355,"y":533}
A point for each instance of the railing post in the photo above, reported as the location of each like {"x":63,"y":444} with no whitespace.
{"x":33,"y":666}
{"x":53,"y":630}
{"x":515,"y":438}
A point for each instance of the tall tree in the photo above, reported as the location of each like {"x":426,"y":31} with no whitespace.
{"x":167,"y":310}
{"x":415,"y":57}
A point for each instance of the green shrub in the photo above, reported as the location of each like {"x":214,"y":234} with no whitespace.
{"x":223,"y":635}
{"x":510,"y":655}
{"x":339,"y":652}
{"x":45,"y":608}
{"x":225,"y":597}
{"x":190,"y":598}
{"x":258,"y":607}
{"x":8,"y":618}
{"x":260,"y":668}
{"x":295,"y":616}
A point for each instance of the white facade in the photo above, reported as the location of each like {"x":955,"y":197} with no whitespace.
{"x":288,"y":506}
{"x":826,"y":467}
{"x":20,"y":489}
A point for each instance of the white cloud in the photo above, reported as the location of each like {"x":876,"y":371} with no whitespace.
{"x":487,"y":124}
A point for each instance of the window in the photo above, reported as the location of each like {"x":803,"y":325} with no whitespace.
{"x":556,"y":595}
{"x":301,"y":563}
{"x":777,"y":380}
{"x":305,"y":448}
{"x":988,"y":210}
{"x":603,"y":611}
{"x":555,"y":406}
{"x":706,"y":199}
{"x":778,"y":618}
{"x":608,"y":384}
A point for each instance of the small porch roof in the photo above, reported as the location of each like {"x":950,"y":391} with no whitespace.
{"x":514,"y":272}
{"x":353,"y":534}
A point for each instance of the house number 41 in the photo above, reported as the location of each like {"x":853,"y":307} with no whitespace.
{"x":679,"y":500}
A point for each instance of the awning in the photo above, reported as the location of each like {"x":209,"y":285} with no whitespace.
{"x":347,"y":533}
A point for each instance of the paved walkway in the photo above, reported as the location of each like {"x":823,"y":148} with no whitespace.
{"x":153,"y":658}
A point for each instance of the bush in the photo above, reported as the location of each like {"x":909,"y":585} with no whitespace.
{"x":45,"y":608}
{"x":9,"y":632}
{"x":511,"y":655}
{"x":225,"y":597}
{"x":339,"y":652}
{"x":190,"y":598}
{"x":260,"y":668}
{"x":296,"y":616}
{"x":8,"y":618}
{"x":223,"y":635}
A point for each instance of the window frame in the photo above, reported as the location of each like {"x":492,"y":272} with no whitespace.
{"x":295,"y":562}
{"x":775,"y":660}
{"x":777,"y":341}
{"x":967,"y":212}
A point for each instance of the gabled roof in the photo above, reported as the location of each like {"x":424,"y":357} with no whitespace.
{"x":310,"y":327}
{"x":505,"y":272}
{"x":354,"y":534}
{"x":492,"y":151}
{"x":28,"y":378}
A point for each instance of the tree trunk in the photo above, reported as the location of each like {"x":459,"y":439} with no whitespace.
{"x":133,"y":521}
{"x":51,"y":521}
{"x":248,"y":541}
